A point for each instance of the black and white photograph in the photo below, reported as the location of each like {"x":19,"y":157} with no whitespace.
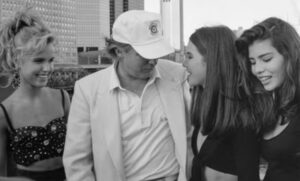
{"x":149,"y":90}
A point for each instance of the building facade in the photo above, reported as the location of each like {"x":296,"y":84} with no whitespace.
{"x":92,"y":24}
{"x":79,"y":25}
{"x":95,"y":19}
{"x":59,"y":15}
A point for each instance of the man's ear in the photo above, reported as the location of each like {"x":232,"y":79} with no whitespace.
{"x":118,"y":52}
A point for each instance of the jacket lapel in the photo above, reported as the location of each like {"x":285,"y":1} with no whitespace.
{"x":108,"y":117}
{"x":172,"y":104}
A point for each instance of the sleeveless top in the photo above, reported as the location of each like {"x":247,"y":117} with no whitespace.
{"x":30,"y":144}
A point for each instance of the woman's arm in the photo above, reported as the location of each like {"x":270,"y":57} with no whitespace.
{"x":3,"y":144}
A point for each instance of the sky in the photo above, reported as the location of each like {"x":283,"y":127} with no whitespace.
{"x":233,"y":13}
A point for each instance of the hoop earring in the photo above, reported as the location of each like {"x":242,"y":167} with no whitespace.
{"x":16,"y":81}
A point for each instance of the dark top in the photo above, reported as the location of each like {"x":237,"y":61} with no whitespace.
{"x":235,"y":153}
{"x":50,"y":175}
{"x":30,"y":144}
{"x":283,"y":153}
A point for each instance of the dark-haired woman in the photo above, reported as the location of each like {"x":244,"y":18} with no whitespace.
{"x":230,"y":150}
{"x":271,"y":73}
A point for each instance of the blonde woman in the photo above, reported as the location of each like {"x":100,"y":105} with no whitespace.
{"x":33,"y":118}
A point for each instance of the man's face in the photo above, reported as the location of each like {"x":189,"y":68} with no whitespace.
{"x":134,"y":65}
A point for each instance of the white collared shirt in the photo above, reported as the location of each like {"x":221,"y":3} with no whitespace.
{"x":148,"y":145}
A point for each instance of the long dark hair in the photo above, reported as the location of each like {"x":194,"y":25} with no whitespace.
{"x":219,"y":106}
{"x":284,"y":101}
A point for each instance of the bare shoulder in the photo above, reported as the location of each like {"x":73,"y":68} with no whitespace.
{"x":60,"y":94}
{"x":54,"y":93}
{"x":7,"y":104}
{"x":57,"y":93}
{"x":2,"y":120}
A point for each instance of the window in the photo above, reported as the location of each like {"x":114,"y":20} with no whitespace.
{"x":111,"y":14}
{"x":91,"y":49}
{"x":125,"y":5}
{"x":80,"y":49}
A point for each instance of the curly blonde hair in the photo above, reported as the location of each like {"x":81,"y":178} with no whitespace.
{"x":25,"y":34}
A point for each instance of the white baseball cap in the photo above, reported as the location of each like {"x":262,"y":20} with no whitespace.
{"x":143,"y":31}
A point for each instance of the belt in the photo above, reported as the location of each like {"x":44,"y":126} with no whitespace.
{"x":167,"y":178}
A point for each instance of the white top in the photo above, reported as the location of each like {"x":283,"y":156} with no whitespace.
{"x":148,"y":145}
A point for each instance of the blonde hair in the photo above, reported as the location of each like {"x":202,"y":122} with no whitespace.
{"x":25,"y":34}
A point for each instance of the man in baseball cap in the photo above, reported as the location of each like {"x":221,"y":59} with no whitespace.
{"x":128,"y":121}
{"x":143,"y":31}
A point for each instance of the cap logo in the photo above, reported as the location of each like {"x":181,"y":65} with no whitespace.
{"x":153,"y":27}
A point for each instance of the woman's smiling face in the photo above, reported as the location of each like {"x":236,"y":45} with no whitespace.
{"x":195,"y":65}
{"x":267,"y":64}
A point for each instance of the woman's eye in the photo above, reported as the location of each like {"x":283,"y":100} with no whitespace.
{"x":51,"y":60}
{"x":38,"y":60}
{"x":252,"y":62}
{"x":267,"y":59}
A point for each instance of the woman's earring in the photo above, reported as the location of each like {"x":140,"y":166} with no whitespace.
{"x":16,"y":81}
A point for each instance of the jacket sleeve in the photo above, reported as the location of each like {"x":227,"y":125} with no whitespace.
{"x":77,"y":157}
{"x":189,"y":128}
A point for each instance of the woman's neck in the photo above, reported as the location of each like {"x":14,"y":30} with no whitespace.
{"x":30,"y":91}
